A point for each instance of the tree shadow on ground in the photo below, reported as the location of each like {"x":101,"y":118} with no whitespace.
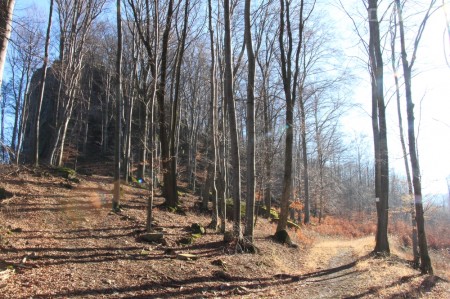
{"x":201,"y":285}
{"x":374,"y":290}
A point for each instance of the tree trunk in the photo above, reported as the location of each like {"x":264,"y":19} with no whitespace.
{"x":307,"y":208}
{"x":117,"y":147}
{"x":404,"y":151}
{"x":127,"y":138}
{"x":380,"y":137}
{"x":143,"y":133}
{"x":154,"y":70}
{"x":6,"y":15}
{"x":213,"y":150}
{"x":286,"y":74}
{"x":250,"y":202}
{"x":425,"y":261}
{"x":176,"y":100}
{"x":42,"y":88}
{"x":235,"y":160}
{"x":170,"y":187}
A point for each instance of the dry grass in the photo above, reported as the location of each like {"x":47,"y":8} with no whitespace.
{"x":353,"y":227}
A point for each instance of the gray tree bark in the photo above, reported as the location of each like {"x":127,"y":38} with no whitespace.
{"x":235,"y":156}
{"x":380,"y":130}
{"x":42,"y":88}
{"x":250,"y":201}
{"x":117,"y":146}
{"x":425,"y":261}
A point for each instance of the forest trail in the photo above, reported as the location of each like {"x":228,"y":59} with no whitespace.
{"x":339,"y":268}
{"x":61,"y":240}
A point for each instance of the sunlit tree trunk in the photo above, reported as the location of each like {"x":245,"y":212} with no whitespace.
{"x":6,"y":15}
{"x":403,"y":144}
{"x":289,"y":80}
{"x":380,"y":138}
{"x":425,"y":261}
{"x":42,"y":88}
{"x":151,"y":141}
{"x":304,"y":144}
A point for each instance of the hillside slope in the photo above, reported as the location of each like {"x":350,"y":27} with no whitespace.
{"x":60,"y":240}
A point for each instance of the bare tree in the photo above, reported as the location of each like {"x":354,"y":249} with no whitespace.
{"x":75,"y":21}
{"x":6,"y":15}
{"x":42,"y":87}
{"x":117,"y":147}
{"x":289,"y":74}
{"x":402,"y":141}
{"x":176,"y":98}
{"x":425,"y":262}
{"x":229,"y":98}
{"x":212,"y":177}
{"x":170,"y":191}
{"x":250,"y":201}
{"x":379,"y":130}
{"x":24,"y":60}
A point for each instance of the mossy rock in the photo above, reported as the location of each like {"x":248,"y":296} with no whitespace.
{"x":68,"y":173}
{"x":4,"y":194}
{"x":176,"y":210}
{"x":273,"y":213}
{"x":151,"y":237}
{"x":197,"y":228}
{"x":189,"y":240}
{"x":291,"y":224}
{"x":133,"y":179}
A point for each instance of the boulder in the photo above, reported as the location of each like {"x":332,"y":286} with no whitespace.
{"x":152,"y":237}
{"x":197,"y":228}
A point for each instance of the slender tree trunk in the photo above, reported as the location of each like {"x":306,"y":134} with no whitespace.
{"x":65,"y":126}
{"x":404,"y":151}
{"x":268,"y":158}
{"x":42,"y":88}
{"x":425,"y":261}
{"x":213,"y":157}
{"x":250,"y":202}
{"x":306,"y":219}
{"x":143,"y":133}
{"x":117,"y":147}
{"x":223,"y":173}
{"x":127,"y":159}
{"x":6,"y":16}
{"x":16,"y":128}
{"x":2,"y":129}
{"x":151,"y":141}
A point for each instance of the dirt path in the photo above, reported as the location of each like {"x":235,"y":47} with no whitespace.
{"x":336,"y":268}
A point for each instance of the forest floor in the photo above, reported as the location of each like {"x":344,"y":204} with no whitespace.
{"x":59,"y":239}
